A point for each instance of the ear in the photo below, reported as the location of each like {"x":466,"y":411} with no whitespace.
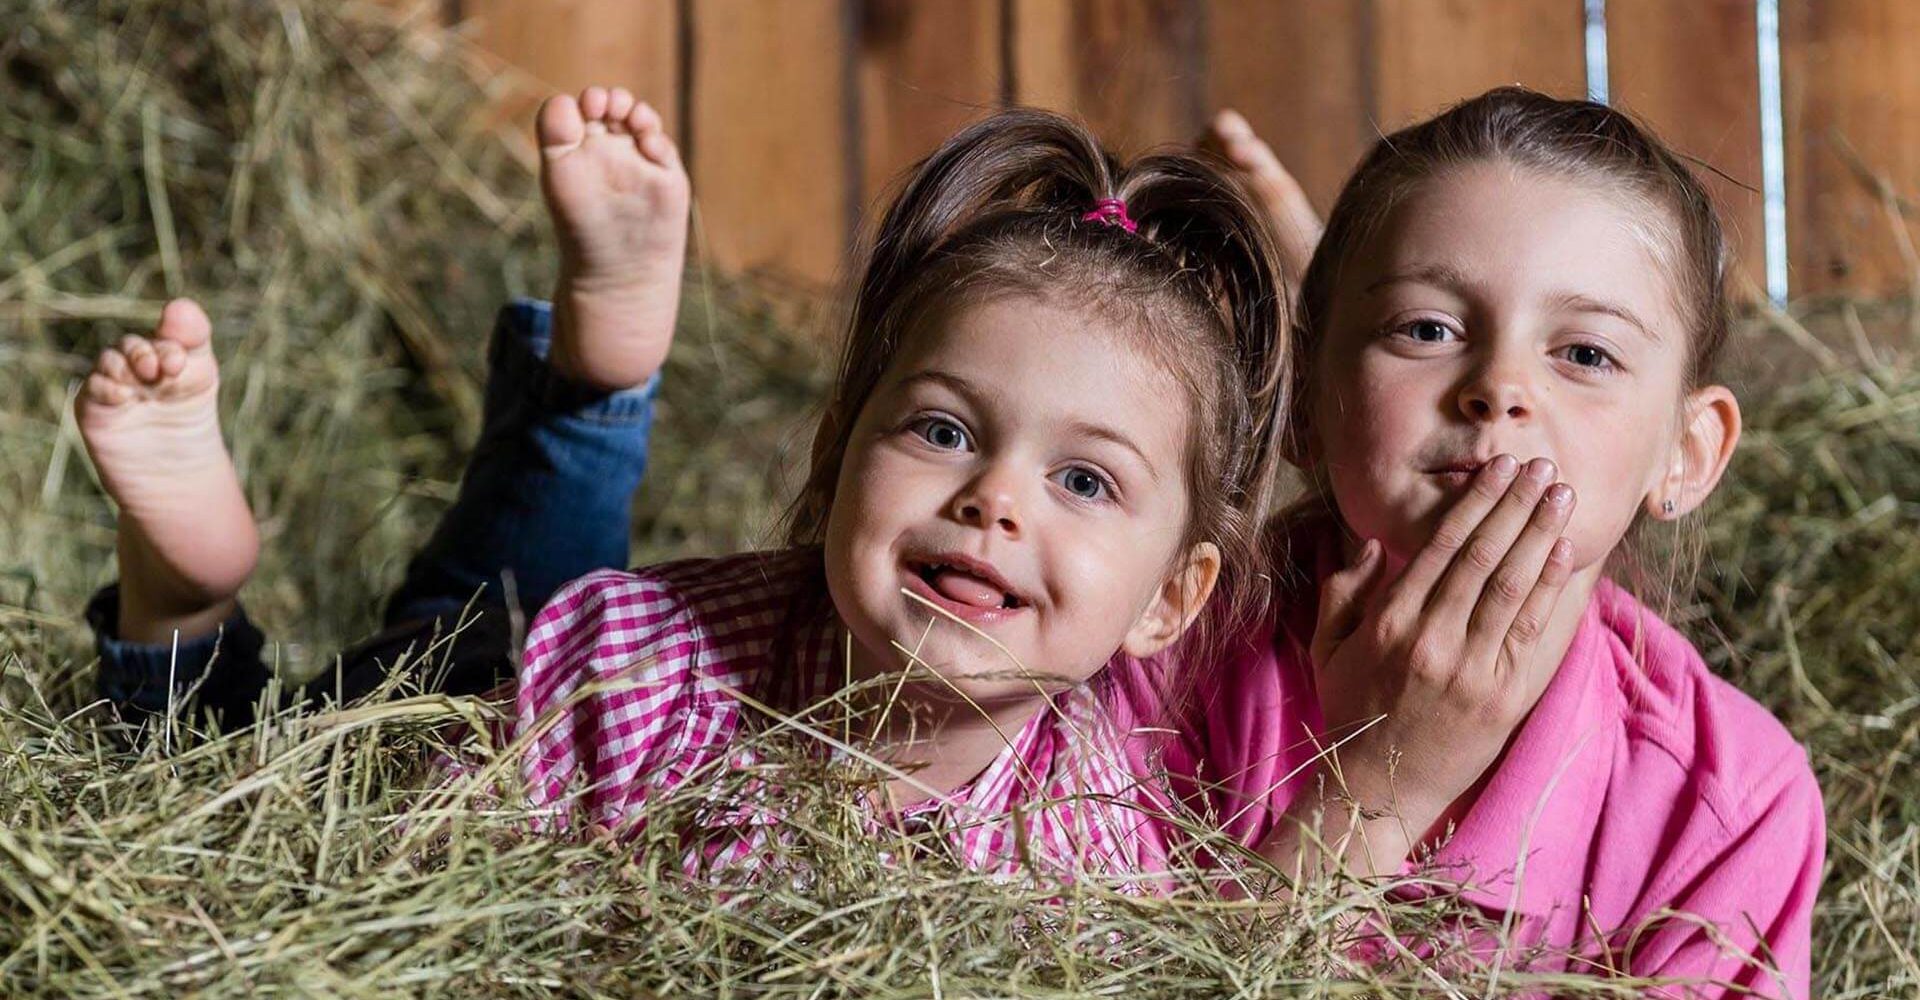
{"x":1181,"y":596}
{"x":1700,"y":457}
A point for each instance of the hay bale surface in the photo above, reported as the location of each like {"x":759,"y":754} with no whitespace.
{"x":335,"y":191}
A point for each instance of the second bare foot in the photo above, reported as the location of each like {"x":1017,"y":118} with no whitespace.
{"x":619,"y":200}
{"x":1296,"y":224}
{"x":186,"y":538}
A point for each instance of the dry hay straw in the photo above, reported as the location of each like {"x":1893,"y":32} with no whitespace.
{"x":333,"y":190}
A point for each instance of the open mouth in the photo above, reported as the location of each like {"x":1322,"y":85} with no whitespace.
{"x":966,"y":584}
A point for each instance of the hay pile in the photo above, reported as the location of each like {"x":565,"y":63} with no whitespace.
{"x":331,"y":188}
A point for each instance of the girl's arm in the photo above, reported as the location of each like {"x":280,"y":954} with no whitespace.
{"x":1737,"y":921}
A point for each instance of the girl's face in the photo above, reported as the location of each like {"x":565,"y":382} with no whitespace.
{"x":1500,"y":309}
{"x":1020,"y":468}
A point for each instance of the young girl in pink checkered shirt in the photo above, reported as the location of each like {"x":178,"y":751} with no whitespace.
{"x":1053,"y":439}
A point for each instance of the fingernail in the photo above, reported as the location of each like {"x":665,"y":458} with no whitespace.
{"x":1562,"y":550}
{"x":1560,"y":495}
{"x":1540,"y":470}
{"x":1503,"y":466}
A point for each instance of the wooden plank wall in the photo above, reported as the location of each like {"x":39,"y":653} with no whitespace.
{"x":798,"y":115}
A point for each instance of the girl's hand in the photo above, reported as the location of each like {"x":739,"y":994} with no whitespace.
{"x":1441,"y":662}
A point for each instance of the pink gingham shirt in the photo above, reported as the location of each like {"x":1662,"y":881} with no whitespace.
{"x":1640,"y":783}
{"x":670,"y":640}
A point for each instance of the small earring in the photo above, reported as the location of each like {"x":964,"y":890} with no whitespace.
{"x":1666,"y":506}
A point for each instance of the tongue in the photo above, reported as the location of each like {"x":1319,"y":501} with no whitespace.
{"x":963,"y":589}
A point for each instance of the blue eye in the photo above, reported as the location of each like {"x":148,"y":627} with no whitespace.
{"x":1082,"y":482}
{"x":941,"y":433}
{"x":1589,"y":356}
{"x":1427,"y":331}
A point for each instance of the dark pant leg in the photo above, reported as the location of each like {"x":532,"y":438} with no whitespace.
{"x":545,"y":499}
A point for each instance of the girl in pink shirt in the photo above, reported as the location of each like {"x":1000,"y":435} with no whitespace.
{"x":1515,"y":302}
{"x":1054,"y":438}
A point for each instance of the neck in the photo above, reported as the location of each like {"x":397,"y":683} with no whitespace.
{"x":943,"y":745}
{"x":927,"y":729}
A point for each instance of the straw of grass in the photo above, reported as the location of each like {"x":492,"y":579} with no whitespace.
{"x":333,"y":189}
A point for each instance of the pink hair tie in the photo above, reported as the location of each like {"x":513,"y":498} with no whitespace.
{"x":1113,"y":212}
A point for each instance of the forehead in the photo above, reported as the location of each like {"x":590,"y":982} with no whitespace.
{"x":1042,"y":360}
{"x":1521,"y":235}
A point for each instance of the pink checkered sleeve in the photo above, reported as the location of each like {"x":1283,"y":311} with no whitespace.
{"x":612,"y":700}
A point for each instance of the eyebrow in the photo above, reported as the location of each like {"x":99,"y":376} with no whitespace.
{"x":1439,"y":275}
{"x":1442,"y":276}
{"x":1587,"y":303}
{"x":1081,"y":428}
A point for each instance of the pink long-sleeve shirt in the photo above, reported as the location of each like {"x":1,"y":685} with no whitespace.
{"x":1640,"y":785}
{"x":629,"y":688}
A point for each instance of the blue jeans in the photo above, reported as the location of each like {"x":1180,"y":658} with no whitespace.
{"x":546,"y":497}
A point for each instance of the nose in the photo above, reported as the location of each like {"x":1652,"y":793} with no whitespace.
{"x":1500,"y":388}
{"x":989,"y":502}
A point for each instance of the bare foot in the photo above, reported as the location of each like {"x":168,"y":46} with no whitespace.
{"x":618,"y":197}
{"x":1296,"y":224}
{"x":187,"y":540}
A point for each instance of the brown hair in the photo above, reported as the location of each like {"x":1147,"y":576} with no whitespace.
{"x":1572,"y":138}
{"x":999,"y":209}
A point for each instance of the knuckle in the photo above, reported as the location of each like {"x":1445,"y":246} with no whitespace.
{"x":1451,"y":535}
{"x":1511,"y":586}
{"x":1526,"y":629}
{"x":1485,"y":553}
{"x":1427,"y":659}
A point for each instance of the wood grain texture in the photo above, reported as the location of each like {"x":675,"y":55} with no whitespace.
{"x":566,"y":45}
{"x":1298,"y":72}
{"x":1428,"y":54}
{"x":1691,"y":70}
{"x":771,"y":145}
{"x":1851,"y":72}
{"x":1133,"y":69}
{"x":925,"y":70}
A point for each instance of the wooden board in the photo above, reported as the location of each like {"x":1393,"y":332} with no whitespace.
{"x":1134,"y":69}
{"x":1297,"y":71}
{"x":1428,"y":54}
{"x":1691,"y":71}
{"x":773,"y":175}
{"x":1851,"y":75}
{"x":566,"y":45}
{"x":926,"y":69}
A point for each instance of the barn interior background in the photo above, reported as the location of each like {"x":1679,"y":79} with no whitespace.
{"x":1814,"y":104}
{"x":349,"y":194}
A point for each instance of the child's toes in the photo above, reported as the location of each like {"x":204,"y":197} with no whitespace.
{"x":183,"y":322}
{"x":105,"y":390}
{"x":173,"y":358}
{"x":657,"y":147}
{"x":559,"y":126}
{"x":619,"y":106}
{"x":141,"y":357}
{"x":113,"y":365}
{"x":593,"y":103}
{"x":643,"y":119}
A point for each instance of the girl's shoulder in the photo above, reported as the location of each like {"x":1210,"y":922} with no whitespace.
{"x":698,"y":594}
{"x":1735,"y":752}
{"x":692,"y":618}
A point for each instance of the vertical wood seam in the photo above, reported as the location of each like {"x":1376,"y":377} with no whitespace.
{"x":853,"y":136}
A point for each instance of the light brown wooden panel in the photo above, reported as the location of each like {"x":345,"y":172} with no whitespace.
{"x":1691,"y":71}
{"x":769,"y":134}
{"x":1132,"y":68}
{"x":565,"y":45}
{"x":1851,"y":88}
{"x":926,"y":69}
{"x":1297,"y":71}
{"x":1428,"y":54}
